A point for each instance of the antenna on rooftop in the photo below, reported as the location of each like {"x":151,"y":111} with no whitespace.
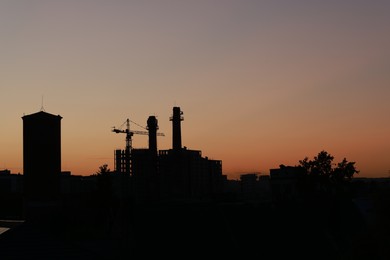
{"x":42,"y":108}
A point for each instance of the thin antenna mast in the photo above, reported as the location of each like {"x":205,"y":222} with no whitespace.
{"x":42,"y":108}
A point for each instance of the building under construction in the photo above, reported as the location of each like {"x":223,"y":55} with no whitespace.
{"x":175,"y":174}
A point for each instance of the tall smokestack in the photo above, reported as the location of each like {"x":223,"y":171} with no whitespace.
{"x":176,"y":128}
{"x":152,"y":127}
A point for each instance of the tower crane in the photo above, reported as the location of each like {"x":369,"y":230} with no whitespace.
{"x":129,"y":133}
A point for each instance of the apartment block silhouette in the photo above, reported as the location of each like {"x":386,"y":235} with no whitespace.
{"x":41,"y":161}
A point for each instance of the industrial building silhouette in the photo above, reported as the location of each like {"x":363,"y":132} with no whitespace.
{"x":141,"y":175}
{"x":178,"y":173}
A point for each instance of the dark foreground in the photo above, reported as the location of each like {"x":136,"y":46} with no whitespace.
{"x":200,"y":230}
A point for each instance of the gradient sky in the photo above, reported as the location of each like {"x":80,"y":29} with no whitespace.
{"x":261,"y":83}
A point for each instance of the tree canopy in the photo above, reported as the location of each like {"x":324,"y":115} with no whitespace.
{"x":103,"y":169}
{"x":322,"y":167}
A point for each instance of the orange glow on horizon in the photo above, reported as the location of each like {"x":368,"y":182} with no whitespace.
{"x":260,"y":84}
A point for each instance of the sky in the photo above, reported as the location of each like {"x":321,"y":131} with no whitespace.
{"x":260,"y":83}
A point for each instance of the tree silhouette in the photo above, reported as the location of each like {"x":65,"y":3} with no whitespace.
{"x":103,"y":169}
{"x":321,"y":167}
{"x":344,"y":170}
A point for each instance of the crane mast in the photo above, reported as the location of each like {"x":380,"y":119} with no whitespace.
{"x":129,"y":133}
{"x":128,"y":147}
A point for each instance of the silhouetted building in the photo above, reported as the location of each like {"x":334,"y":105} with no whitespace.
{"x":145,"y":181}
{"x":41,"y":161}
{"x":77,"y":184}
{"x":185,"y":174}
{"x":249,"y":187}
{"x":285,"y":182}
{"x":176,"y":128}
{"x":120,"y":161}
{"x":11,"y":191}
{"x":255,"y":187}
{"x":178,"y":173}
{"x":10,"y":183}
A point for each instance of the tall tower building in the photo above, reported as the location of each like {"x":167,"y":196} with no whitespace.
{"x":41,"y":159}
{"x":176,"y":128}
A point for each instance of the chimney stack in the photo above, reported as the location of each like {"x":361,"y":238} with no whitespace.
{"x":152,"y":127}
{"x":176,"y":128}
